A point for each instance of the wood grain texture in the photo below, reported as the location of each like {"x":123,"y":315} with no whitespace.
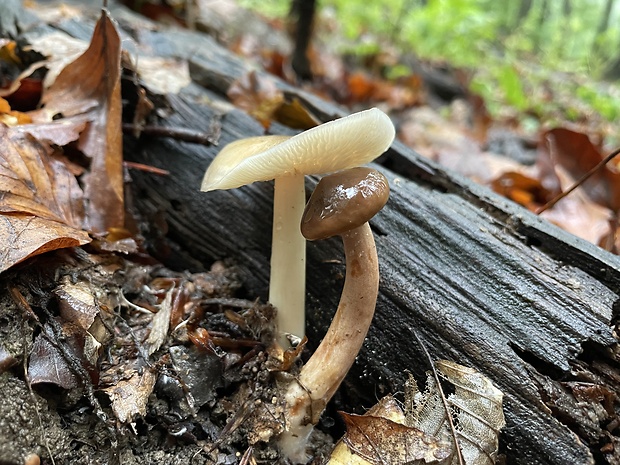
{"x":462,"y":273}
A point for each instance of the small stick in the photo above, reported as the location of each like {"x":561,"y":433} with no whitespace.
{"x":142,"y":167}
{"x":183,"y":134}
{"x":459,"y":455}
{"x":16,"y":294}
{"x":581,"y":180}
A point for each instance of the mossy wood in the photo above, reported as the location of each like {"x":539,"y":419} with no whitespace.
{"x":482,"y":281}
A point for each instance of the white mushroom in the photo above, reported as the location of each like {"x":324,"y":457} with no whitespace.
{"x":341,"y":204}
{"x":344,"y":143}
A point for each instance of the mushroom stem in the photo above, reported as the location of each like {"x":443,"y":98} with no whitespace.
{"x":288,"y":257}
{"x":321,"y":376}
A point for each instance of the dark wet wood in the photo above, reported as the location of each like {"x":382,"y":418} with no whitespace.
{"x":482,"y":281}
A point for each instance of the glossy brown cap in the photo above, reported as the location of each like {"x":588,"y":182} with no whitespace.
{"x":343,"y":201}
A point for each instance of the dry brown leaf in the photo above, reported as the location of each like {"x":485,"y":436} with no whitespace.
{"x":88,"y":90}
{"x":60,"y":50}
{"x":130,"y":395}
{"x":48,"y":361}
{"x":4,"y":106}
{"x":163,"y":75}
{"x":475,"y":405}
{"x":60,"y":132}
{"x":380,"y":437}
{"x":76,"y":303}
{"x":40,"y":200}
{"x":577,"y":155}
{"x":24,"y":236}
{"x":579,"y":215}
{"x":257,"y":95}
{"x":33,"y":182}
{"x":160,"y":324}
{"x":361,"y":87}
{"x":380,"y":440}
{"x":10,"y":117}
{"x":4,"y":42}
{"x":525,"y":190}
{"x":294,"y":115}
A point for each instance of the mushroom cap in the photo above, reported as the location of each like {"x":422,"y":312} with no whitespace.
{"x":351,"y":141}
{"x":343,"y":201}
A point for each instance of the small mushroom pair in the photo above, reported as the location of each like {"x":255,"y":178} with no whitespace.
{"x":337,"y":145}
{"x":342,"y":204}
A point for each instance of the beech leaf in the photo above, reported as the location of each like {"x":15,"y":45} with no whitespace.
{"x":88,"y":89}
{"x":476,"y":405}
{"x":41,"y":205}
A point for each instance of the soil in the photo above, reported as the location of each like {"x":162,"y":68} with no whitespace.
{"x":203,"y":397}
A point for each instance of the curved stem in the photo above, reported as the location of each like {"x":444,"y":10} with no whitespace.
{"x":287,"y":284}
{"x":320,"y":377}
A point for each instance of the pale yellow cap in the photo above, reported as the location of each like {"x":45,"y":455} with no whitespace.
{"x":344,"y":143}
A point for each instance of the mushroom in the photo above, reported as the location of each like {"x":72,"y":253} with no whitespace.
{"x":341,"y":204}
{"x":344,"y":143}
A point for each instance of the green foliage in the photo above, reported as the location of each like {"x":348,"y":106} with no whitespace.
{"x":271,"y":9}
{"x":488,"y":37}
{"x":602,"y":100}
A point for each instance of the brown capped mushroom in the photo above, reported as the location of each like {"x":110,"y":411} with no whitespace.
{"x":344,"y":143}
{"x":341,"y":204}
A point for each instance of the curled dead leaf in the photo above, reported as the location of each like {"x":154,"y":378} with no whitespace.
{"x":25,"y":236}
{"x":130,"y":395}
{"x":88,"y":90}
{"x":380,"y":436}
{"x":524,"y":190}
{"x":257,"y":95}
{"x":76,"y":303}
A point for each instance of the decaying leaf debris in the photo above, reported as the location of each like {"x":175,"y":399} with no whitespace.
{"x":206,"y":398}
{"x":422,"y":433}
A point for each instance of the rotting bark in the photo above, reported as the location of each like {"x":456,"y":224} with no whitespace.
{"x":484,"y":282}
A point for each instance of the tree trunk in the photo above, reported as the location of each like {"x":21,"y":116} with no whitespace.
{"x":302,"y":14}
{"x":524,"y":9}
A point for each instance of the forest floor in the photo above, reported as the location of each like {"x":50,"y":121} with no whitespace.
{"x":63,"y":307}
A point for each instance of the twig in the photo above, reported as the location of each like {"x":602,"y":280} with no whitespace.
{"x":183,"y":134}
{"x":142,"y":167}
{"x":459,"y":455}
{"x":17,"y":295}
{"x":72,"y":361}
{"x":579,"y":182}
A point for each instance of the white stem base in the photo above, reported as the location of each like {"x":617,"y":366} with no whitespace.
{"x":287,"y":286}
{"x":319,"y":379}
